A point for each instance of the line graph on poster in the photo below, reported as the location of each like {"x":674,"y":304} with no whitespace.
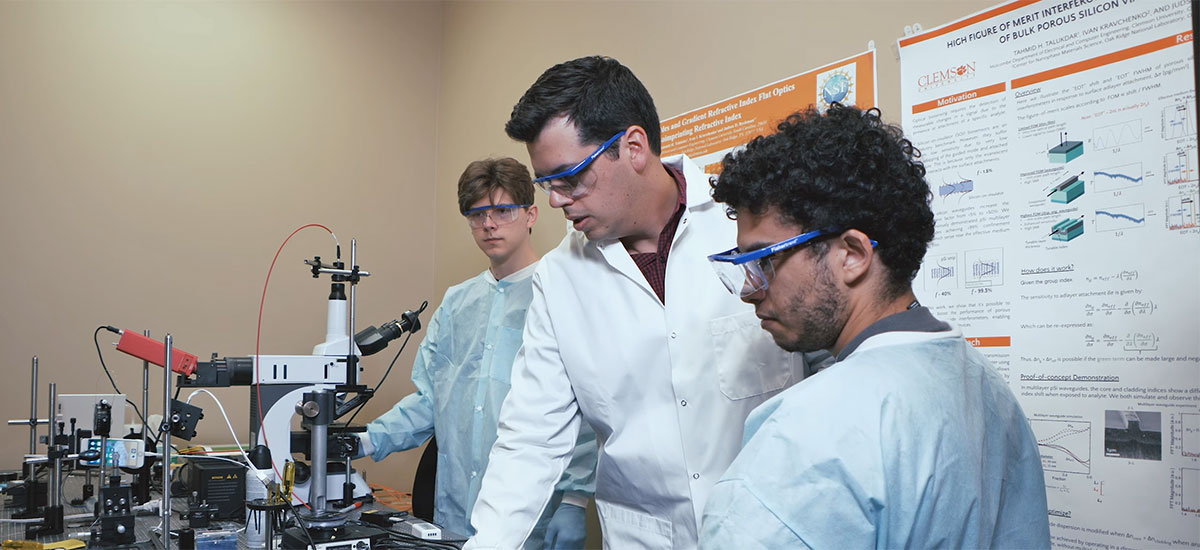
{"x":1066,"y":445}
{"x":1119,"y":218}
{"x":1115,"y":178}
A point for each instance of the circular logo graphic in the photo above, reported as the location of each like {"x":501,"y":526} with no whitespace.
{"x":836,"y":88}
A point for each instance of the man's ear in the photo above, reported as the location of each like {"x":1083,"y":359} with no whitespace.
{"x":854,"y":256}
{"x":636,"y":144}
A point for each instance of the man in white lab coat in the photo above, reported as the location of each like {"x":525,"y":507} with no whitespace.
{"x":629,"y":330}
{"x":911,"y":439}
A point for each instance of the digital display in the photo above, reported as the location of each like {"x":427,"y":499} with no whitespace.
{"x":124,"y":453}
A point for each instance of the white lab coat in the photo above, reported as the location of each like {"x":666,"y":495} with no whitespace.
{"x":666,"y":388}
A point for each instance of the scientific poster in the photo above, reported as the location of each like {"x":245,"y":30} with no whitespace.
{"x":708,"y":133}
{"x":1060,"y":142}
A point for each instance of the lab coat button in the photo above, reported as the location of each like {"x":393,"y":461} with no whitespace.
{"x":487,"y":346}
{"x":683,"y":402}
{"x":695,"y":476}
{"x":478,"y":408}
{"x":474,"y":473}
{"x":673,"y":335}
{"x":501,"y":291}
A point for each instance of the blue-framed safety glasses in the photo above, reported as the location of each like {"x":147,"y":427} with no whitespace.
{"x":745,"y":273}
{"x":501,"y":214}
{"x":568,"y":181}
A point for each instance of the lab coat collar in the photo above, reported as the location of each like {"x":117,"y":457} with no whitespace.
{"x":699,"y":192}
{"x":699,"y":195}
{"x":518,"y":275}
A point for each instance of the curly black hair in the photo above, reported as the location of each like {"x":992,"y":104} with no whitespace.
{"x":845,"y":168}
{"x":598,"y":94}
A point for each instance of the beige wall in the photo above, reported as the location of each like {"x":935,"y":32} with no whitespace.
{"x":153,"y":156}
{"x":688,"y":54}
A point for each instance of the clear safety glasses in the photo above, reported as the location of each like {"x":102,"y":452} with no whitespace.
{"x":569,"y":183}
{"x":745,"y":273}
{"x":501,"y":214}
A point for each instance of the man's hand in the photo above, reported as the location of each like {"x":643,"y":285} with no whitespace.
{"x":567,"y":529}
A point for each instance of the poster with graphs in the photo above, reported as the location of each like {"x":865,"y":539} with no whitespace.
{"x":1060,"y":143}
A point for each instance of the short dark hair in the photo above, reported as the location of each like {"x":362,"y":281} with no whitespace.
{"x":598,"y":94}
{"x":845,"y":168}
{"x":484,"y":177}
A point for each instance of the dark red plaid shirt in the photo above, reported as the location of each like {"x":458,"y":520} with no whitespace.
{"x":654,"y":264}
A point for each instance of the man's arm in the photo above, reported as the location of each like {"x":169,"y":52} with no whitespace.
{"x":410,"y":422}
{"x":539,"y":424}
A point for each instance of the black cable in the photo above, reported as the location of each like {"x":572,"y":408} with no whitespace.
{"x":385,"y":375}
{"x":96,"y":340}
{"x":389,"y":369}
{"x":300,"y":525}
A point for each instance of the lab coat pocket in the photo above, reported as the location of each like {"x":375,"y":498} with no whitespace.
{"x":748,"y":361}
{"x":624,"y":528}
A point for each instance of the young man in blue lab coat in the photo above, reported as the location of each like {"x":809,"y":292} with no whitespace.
{"x":462,"y":367}
{"x":630,"y":331}
{"x":911,"y":439}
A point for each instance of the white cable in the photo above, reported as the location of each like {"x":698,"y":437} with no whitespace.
{"x":227,"y":422}
{"x":242,"y":450}
{"x":239,"y":463}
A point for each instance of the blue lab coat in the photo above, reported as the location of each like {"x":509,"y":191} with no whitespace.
{"x":912,"y":441}
{"x":462,"y":377}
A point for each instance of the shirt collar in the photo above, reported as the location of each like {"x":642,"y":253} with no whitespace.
{"x":917,"y":319}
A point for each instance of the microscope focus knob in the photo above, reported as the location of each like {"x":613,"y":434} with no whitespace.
{"x":308,"y":409}
{"x":303,"y":472}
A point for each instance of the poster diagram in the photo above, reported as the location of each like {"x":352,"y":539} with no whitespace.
{"x":957,"y":188}
{"x":985,"y":267}
{"x":1133,"y":434}
{"x":1190,"y":494}
{"x":1179,"y":121}
{"x":1066,"y":446}
{"x":1179,"y":166}
{"x":943,"y":273}
{"x":1190,"y":435}
{"x":1119,"y":218}
{"x":1115,"y":178}
{"x":1181,"y":212}
{"x":1081,"y":242}
{"x":1116,"y":135}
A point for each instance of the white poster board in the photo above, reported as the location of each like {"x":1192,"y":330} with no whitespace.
{"x":1060,"y":142}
